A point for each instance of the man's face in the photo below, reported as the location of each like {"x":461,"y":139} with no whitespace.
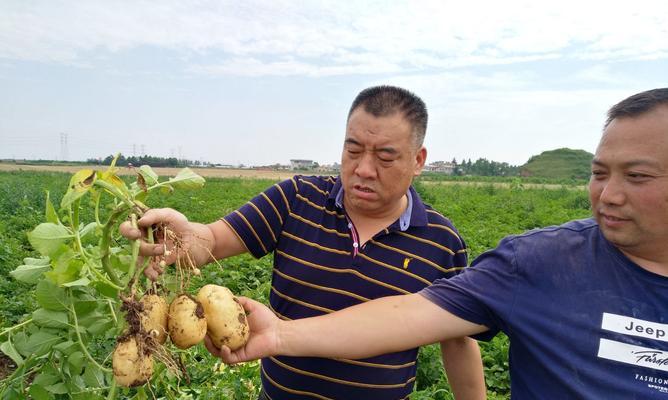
{"x":629,"y":183}
{"x":379,"y":160}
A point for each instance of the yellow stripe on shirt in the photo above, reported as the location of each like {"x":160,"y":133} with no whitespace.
{"x":342,"y":271}
{"x":341,"y":381}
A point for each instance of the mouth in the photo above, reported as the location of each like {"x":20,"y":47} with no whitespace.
{"x":612,"y":220}
{"x":363,"y":189}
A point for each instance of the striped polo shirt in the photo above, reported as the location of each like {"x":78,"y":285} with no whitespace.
{"x":319,"y":268}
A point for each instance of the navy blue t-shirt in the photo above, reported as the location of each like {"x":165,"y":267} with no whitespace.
{"x":584,"y":322}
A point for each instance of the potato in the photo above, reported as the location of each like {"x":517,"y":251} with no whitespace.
{"x":131,"y":366}
{"x":186,"y":322}
{"x":226,"y":318}
{"x":154,"y":317}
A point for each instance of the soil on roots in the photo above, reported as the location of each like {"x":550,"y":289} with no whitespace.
{"x":133,"y":311}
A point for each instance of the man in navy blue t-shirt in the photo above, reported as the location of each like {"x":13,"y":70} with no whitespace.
{"x":585,"y":304}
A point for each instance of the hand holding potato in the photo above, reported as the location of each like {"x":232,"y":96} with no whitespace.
{"x":263,"y":339}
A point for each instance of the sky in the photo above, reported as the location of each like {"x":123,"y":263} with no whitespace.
{"x":262,"y":82}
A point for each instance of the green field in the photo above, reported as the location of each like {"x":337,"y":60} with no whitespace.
{"x":483,"y":214}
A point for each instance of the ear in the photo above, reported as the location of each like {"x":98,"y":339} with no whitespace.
{"x":420,"y":159}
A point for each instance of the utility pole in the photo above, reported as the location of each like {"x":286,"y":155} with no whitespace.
{"x":63,"y":146}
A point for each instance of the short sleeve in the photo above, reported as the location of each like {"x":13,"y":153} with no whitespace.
{"x":259,"y":222}
{"x":483,"y":293}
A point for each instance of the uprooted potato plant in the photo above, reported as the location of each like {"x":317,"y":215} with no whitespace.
{"x":99,"y":324}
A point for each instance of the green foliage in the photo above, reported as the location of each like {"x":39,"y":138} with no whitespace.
{"x":483,"y":212}
{"x":484,"y":167}
{"x":560,"y":164}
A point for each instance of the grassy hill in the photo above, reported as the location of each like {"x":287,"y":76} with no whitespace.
{"x":560,"y":163}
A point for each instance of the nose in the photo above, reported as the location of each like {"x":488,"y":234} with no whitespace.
{"x":612,"y":191}
{"x":366,"y":167}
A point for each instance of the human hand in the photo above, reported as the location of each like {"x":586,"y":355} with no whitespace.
{"x":263,"y":340}
{"x":172,"y":237}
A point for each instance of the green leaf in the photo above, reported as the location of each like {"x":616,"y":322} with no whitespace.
{"x":166,"y":189}
{"x":110,"y":177}
{"x":38,"y":392}
{"x":8,"y":348}
{"x":80,"y":184}
{"x":148,"y":175}
{"x":50,"y":213}
{"x":83,"y":307}
{"x":93,"y":376}
{"x":96,"y":322}
{"x":37,"y":261}
{"x":20,"y":342}
{"x":87,"y":230}
{"x":48,"y":237}
{"x":50,"y":296}
{"x":42,"y":342}
{"x":105,"y":289}
{"x":29,"y":273}
{"x":87,"y":396}
{"x":67,"y":347}
{"x":76,"y":388}
{"x":11,"y":394}
{"x":79,"y":282}
{"x":47,"y":377}
{"x":57,"y":388}
{"x":50,"y":319}
{"x":120,"y":262}
{"x":76,"y":361}
{"x":187,"y":179}
{"x":67,"y":268}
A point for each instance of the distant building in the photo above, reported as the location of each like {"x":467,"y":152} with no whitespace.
{"x":303,"y":164}
{"x":329,"y":168}
{"x":443,"y":167}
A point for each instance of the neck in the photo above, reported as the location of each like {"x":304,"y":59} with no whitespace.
{"x":653,"y":262}
{"x":368,"y":225}
{"x":389,"y":214}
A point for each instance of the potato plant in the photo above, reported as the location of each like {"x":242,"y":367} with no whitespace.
{"x":84,"y":270}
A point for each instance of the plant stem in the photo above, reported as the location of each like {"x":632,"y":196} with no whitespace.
{"x":74,"y":219}
{"x":114,"y":192}
{"x":80,"y":340}
{"x":97,"y":210}
{"x":112,"y":391}
{"x":132,"y":271}
{"x":105,"y":243}
{"x":6,"y":331}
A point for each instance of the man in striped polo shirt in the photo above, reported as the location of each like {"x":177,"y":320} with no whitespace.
{"x":341,"y":241}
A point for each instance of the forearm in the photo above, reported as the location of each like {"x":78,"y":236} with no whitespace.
{"x":377,"y":327}
{"x":226,"y":243}
{"x":463,"y":365}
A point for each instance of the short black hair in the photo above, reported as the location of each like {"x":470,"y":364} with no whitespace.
{"x":383,"y":100}
{"x":638,"y":104}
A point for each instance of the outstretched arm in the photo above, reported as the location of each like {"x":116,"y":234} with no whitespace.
{"x":376,"y":327}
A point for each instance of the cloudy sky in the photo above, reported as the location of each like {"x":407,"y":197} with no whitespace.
{"x":261,"y":82}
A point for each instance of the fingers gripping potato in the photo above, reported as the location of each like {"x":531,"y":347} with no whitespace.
{"x":226,"y":318}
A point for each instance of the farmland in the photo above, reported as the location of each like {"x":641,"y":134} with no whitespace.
{"x":484,"y":213}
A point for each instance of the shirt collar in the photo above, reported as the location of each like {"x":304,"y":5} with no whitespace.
{"x":415,"y":213}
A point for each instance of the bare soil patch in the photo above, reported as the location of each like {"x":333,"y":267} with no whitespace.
{"x":6,"y":366}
